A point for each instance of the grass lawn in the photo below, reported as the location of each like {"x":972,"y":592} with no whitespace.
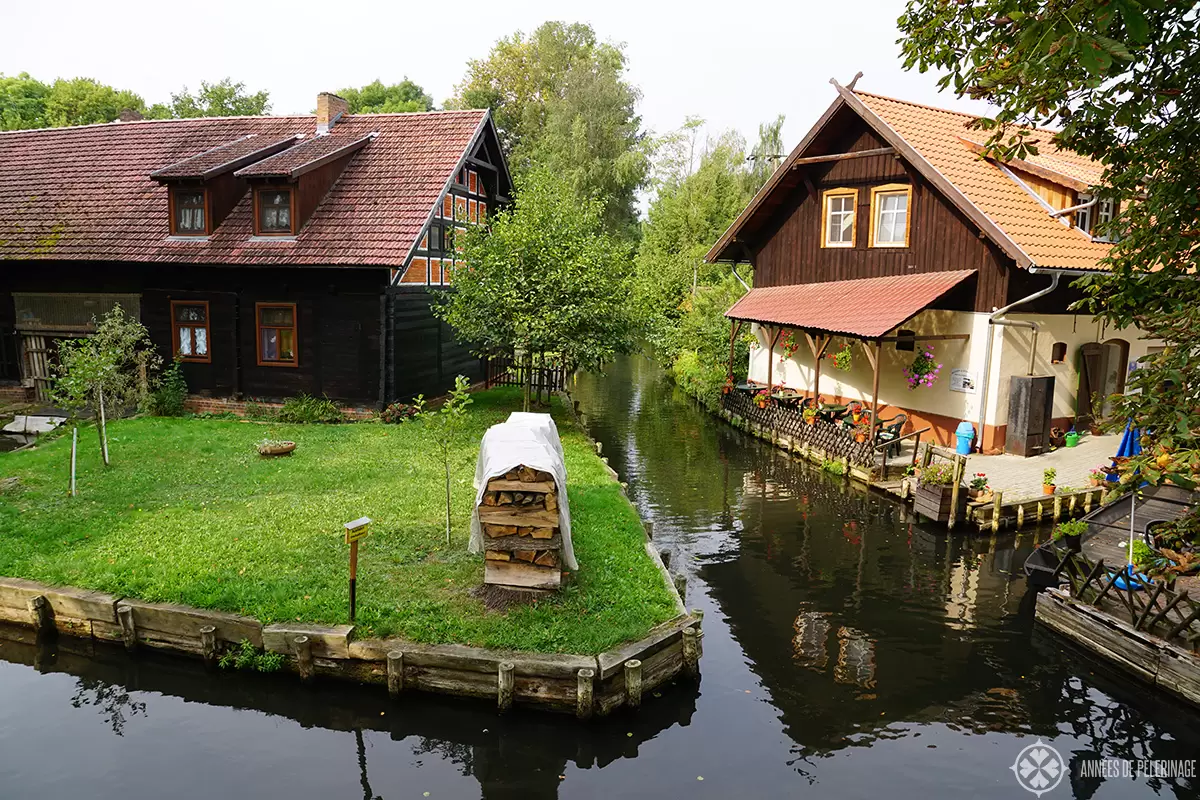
{"x":189,"y":513}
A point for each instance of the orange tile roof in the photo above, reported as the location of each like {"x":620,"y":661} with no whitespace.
{"x":867,"y":307}
{"x":937,"y":135}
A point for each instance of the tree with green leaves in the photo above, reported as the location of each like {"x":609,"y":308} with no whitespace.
{"x":1121,"y":81}
{"x":376,"y":98}
{"x":545,"y":277}
{"x":22,"y":102}
{"x":446,"y":422}
{"x":561,"y":101}
{"x":225,"y":98}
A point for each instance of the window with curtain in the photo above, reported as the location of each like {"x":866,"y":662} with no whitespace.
{"x":839,"y":218}
{"x":890,"y":217}
{"x":189,"y":213}
{"x":189,"y":320}
{"x":274,"y":211}
{"x":277,"y":335}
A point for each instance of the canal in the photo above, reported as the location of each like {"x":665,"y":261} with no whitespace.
{"x":849,"y":651}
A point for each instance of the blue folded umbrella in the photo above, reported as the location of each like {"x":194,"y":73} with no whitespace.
{"x":1131,"y":442}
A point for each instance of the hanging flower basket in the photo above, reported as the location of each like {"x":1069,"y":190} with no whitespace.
{"x":924,"y":370}
{"x":787,"y":344}
{"x":842,"y":359}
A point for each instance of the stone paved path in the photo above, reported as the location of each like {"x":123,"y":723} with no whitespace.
{"x":1021,"y":478}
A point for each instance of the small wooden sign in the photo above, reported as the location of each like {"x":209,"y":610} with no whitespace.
{"x":358,"y":529}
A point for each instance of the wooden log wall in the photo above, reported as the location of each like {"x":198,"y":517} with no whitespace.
{"x":522,"y":540}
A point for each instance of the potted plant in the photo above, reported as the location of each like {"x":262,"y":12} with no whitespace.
{"x":728,"y":386}
{"x":1098,"y":476}
{"x":275,"y":447}
{"x":862,"y":430}
{"x":978,"y":488}
{"x":762,"y":397}
{"x":1096,"y":423}
{"x":1070,"y":533}
{"x":810,"y":415}
{"x":935,"y":492}
{"x":856,"y":412}
{"x":1048,"y":476}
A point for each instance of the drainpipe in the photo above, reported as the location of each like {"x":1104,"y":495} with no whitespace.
{"x":996,"y":318}
{"x":1062,"y":212}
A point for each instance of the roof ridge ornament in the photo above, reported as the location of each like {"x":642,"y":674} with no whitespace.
{"x":853,"y":81}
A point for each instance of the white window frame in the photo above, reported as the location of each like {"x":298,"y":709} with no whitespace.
{"x":1106,"y":211}
{"x":827,"y":213}
{"x":1083,"y":217}
{"x":877,"y":195}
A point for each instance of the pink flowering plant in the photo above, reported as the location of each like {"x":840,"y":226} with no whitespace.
{"x":924,"y":370}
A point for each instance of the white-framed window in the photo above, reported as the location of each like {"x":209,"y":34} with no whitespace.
{"x":1083,"y":217}
{"x":838,"y":218}
{"x":1105,"y":211}
{"x":890,"y":215}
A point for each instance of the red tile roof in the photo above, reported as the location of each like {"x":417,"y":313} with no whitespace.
{"x":869,"y":307}
{"x":85,"y":193}
{"x":304,"y":156}
{"x":226,"y":157}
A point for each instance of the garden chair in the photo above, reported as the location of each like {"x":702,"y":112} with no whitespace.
{"x":888,"y":432}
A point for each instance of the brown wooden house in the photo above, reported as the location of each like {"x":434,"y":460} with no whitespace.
{"x":885,"y":233}
{"x":273,"y":255}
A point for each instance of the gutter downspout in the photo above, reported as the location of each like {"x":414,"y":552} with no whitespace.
{"x":996,"y":318}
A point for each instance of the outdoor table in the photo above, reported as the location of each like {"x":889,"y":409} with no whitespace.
{"x":747,"y":387}
{"x":787,"y":398}
{"x":831,"y":412}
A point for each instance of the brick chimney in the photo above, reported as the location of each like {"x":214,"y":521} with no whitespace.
{"x":129,"y":115}
{"x":330,"y":107}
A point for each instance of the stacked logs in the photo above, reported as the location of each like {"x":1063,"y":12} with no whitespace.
{"x":522,"y":541}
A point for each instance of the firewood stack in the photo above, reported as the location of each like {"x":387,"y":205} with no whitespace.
{"x":522,"y":541}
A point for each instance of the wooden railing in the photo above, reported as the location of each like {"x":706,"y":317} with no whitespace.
{"x":548,"y":377}
{"x":836,"y":441}
{"x":886,"y":446}
{"x":1170,"y":615}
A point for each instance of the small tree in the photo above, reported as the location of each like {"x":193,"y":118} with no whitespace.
{"x":110,"y":370}
{"x":446,"y":423}
{"x":544,"y":278}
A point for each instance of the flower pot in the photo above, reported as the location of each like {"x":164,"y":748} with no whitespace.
{"x":810,"y":420}
{"x":1048,"y":488}
{"x":1096,"y":482}
{"x":860,"y":437}
{"x":1094,"y":430}
{"x":934,"y":501}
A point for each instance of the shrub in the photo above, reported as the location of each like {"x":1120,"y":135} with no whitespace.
{"x":168,"y":399}
{"x":305,"y":408}
{"x":939,"y":474}
{"x":1074,"y":527}
{"x":261,"y":413}
{"x":401,"y":412}
{"x":833,"y":467}
{"x":1142,"y":553}
{"x":702,"y":380}
{"x":247,"y":657}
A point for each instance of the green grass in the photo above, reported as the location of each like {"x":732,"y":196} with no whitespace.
{"x":189,"y":513}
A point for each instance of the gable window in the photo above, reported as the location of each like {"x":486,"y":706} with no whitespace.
{"x":1106,"y":210}
{"x":1083,"y":217}
{"x":435,"y":237}
{"x":189,"y":325}
{"x":187,"y":212}
{"x":277,"y":335}
{"x":838,"y":218}
{"x":889,"y":215}
{"x":274,"y":212}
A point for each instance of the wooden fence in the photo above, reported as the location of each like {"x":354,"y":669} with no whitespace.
{"x":548,"y":376}
{"x":1172,"y":616}
{"x":835,"y":441}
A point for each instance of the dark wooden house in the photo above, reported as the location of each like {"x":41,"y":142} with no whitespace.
{"x":273,"y":255}
{"x":886,"y":233}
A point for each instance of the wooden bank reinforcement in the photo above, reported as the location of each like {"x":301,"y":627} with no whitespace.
{"x":586,"y":686}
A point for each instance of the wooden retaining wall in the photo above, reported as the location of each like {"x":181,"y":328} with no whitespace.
{"x":816,"y":455}
{"x":1147,"y":657}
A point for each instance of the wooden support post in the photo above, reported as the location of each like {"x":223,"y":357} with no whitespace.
{"x":395,"y":673}
{"x":39,"y":613}
{"x":208,"y":645}
{"x":504,"y":686}
{"x":734,"y":330}
{"x":304,"y":657}
{"x":665,"y":555}
{"x":1057,"y":507}
{"x":1087,"y":502}
{"x":74,"y":449}
{"x":584,"y":693}
{"x":692,"y":650}
{"x":128,"y":631}
{"x":681,"y":586}
{"x":599,"y":447}
{"x":927,"y":456}
{"x":1020,"y":516}
{"x":960,"y":465}
{"x":873,"y":354}
{"x":818,"y":347}
{"x":997,"y":499}
{"x":103,"y":430}
{"x":649,"y":525}
{"x":633,"y":683}
{"x":1040,"y":511}
{"x":1071,"y":506}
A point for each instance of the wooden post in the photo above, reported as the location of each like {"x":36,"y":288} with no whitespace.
{"x":771,"y":359}
{"x":74,"y":449}
{"x":504,"y":686}
{"x":599,"y":447}
{"x":927,"y":456}
{"x":395,"y":673}
{"x":208,"y":645}
{"x":1057,"y":507}
{"x":103,"y":430}
{"x":997,"y":500}
{"x":960,"y":465}
{"x":1087,"y":502}
{"x":817,"y":346}
{"x":649,"y":525}
{"x":733,"y":332}
{"x":1020,"y":516}
{"x":633,"y":683}
{"x":665,"y":555}
{"x":128,"y":631}
{"x":304,"y":657}
{"x":1071,"y":506}
{"x":584,"y":693}
{"x":1039,"y":511}
{"x":681,"y":586}
{"x":39,"y":613}
{"x":873,"y":357}
{"x":691,"y":651}
{"x":353,"y":576}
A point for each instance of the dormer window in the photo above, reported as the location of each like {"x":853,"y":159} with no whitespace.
{"x":273,"y":216}
{"x":189,"y":215}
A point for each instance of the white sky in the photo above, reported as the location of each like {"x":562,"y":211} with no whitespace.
{"x":733,"y":63}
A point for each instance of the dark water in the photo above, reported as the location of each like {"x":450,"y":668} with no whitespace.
{"x":848,"y":653}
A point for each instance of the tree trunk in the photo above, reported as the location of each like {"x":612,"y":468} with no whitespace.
{"x":528,"y":379}
{"x":447,"y":459}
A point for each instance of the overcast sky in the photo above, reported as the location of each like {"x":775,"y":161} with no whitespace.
{"x":733,"y":63}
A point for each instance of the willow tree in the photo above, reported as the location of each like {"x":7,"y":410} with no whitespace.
{"x":1120,"y":79}
{"x":543,"y":278}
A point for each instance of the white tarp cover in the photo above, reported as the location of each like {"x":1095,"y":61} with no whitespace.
{"x":529,"y":440}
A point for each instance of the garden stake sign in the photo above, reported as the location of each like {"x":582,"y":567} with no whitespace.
{"x":358,"y":529}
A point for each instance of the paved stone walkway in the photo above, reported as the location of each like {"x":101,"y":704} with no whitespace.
{"x":1020,"y":478}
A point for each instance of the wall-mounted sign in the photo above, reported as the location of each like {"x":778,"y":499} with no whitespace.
{"x":962,"y":380}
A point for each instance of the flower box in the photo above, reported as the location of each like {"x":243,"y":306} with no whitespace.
{"x":934,"y":501}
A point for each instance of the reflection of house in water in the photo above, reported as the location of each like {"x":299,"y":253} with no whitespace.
{"x":754,"y":485}
{"x":811,"y":640}
{"x":963,"y":594}
{"x":856,"y":658}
